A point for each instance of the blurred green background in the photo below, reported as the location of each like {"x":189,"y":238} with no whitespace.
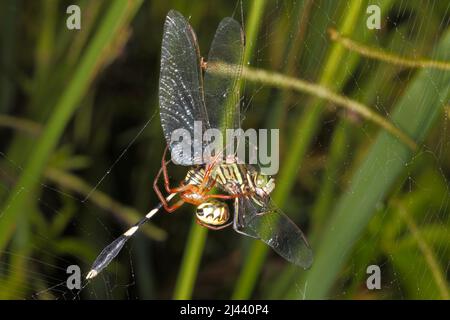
{"x":81,"y":143}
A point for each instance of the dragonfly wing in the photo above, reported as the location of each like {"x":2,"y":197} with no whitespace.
{"x":269,"y":224}
{"x":222,"y":90}
{"x":239,"y":223}
{"x":180,"y":87}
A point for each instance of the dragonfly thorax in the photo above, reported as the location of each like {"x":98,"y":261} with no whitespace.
{"x":213,"y":213}
{"x":238,"y":178}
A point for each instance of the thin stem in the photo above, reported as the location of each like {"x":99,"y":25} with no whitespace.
{"x":190,"y":263}
{"x":293,"y":54}
{"x":308,"y":126}
{"x":252,"y":27}
{"x":431,"y":260}
{"x":28,"y":126}
{"x":295,"y":51}
{"x":379,"y":54}
{"x":374,"y":177}
{"x":281,"y":81}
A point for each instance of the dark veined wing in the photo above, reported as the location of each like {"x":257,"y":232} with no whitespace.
{"x":180,"y":86}
{"x":268,"y":223}
{"x":222,"y":89}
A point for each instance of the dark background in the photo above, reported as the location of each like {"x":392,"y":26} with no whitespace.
{"x":80,"y":144}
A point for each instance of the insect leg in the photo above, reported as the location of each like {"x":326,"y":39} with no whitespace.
{"x":173,"y":207}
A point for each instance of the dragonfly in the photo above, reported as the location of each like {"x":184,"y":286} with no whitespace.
{"x":190,"y":91}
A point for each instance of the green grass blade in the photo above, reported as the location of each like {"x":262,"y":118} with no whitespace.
{"x":252,"y":28}
{"x":415,"y":113}
{"x":191,"y":261}
{"x":115,"y":18}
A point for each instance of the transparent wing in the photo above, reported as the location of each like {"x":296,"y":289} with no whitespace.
{"x":222,"y":89}
{"x":268,"y":223}
{"x":180,"y":86}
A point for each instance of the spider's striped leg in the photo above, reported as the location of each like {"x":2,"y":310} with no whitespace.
{"x":113,"y":249}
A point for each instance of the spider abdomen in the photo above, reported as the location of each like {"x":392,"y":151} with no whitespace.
{"x":213,"y":212}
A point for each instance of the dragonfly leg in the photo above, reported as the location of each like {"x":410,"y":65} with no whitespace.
{"x":163,"y":169}
{"x":203,"y":63}
{"x":208,"y":171}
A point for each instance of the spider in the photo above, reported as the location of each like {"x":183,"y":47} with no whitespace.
{"x":196,"y":193}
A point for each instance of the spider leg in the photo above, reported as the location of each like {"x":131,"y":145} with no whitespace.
{"x":223,"y":196}
{"x":165,"y":173}
{"x":163,"y":170}
{"x":157,"y":191}
{"x":174,"y":207}
{"x":161,"y":196}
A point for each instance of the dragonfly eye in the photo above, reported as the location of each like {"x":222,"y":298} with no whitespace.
{"x":270,"y":185}
{"x":213,"y":213}
{"x":264,"y":184}
{"x":261,"y":181}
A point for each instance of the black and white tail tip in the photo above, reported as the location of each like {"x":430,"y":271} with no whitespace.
{"x":113,"y":249}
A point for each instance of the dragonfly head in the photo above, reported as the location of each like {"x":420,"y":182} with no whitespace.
{"x":213,"y":213}
{"x":264,"y":185}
